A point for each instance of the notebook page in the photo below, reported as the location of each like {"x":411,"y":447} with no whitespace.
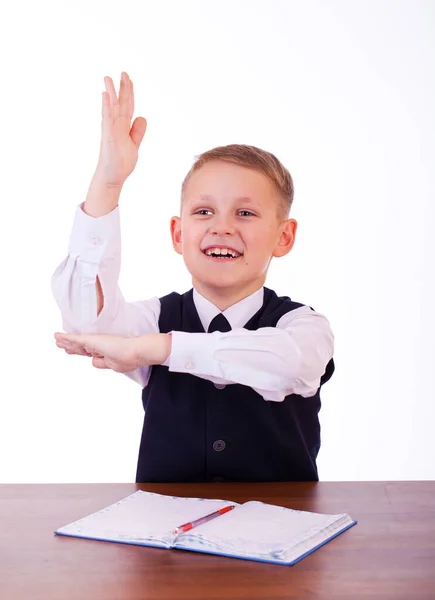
{"x":142,"y":517}
{"x":265,"y":531}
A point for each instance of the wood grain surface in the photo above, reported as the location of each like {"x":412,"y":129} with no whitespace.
{"x":389,"y":554}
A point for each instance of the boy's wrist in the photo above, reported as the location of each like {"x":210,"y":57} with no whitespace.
{"x":153,"y":348}
{"x":102,"y":197}
{"x":163,"y":348}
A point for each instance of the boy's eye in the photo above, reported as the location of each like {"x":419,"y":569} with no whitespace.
{"x":244,"y":213}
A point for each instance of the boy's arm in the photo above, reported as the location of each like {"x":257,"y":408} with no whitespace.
{"x":275,"y":361}
{"x":85,"y":284}
{"x":100,"y":201}
{"x":95,"y":248}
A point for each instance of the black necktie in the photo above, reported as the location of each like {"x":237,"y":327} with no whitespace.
{"x":219,"y":323}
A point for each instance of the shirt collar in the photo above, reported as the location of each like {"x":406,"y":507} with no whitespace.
{"x":238,"y":314}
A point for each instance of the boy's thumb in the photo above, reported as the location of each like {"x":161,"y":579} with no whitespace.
{"x":137,"y":130}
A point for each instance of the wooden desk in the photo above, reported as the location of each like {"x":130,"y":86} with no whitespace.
{"x":390,"y":554}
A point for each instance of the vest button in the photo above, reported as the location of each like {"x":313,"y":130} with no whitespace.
{"x":219,"y":445}
{"x":220,"y":386}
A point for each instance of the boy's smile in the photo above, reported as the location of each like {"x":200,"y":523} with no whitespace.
{"x":229,"y":230}
{"x":222,"y":253}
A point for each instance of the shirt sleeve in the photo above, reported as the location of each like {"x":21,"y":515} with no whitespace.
{"x":95,"y":249}
{"x":275,"y":361}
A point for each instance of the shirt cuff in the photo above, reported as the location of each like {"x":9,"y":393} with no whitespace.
{"x":92,"y":237}
{"x":194,"y":353}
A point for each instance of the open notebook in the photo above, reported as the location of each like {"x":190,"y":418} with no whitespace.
{"x":252,"y":531}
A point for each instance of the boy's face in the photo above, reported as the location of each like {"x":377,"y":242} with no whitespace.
{"x":232,"y":209}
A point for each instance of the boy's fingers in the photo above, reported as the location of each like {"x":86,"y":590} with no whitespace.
{"x":69,"y":338}
{"x":124,"y":97}
{"x":74,"y":343}
{"x":111,"y":90}
{"x":131,"y":98}
{"x":69,"y":350}
{"x":80,"y":352}
{"x":99,"y":362}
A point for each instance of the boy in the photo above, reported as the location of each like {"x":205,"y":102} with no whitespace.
{"x":231,"y":373}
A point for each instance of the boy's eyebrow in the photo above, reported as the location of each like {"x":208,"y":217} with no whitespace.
{"x":238,"y":198}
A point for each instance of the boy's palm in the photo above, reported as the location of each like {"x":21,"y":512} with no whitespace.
{"x":120,"y":140}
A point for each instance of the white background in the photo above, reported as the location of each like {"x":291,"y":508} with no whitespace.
{"x":342,"y":92}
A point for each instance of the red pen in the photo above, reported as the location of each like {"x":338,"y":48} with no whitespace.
{"x":213,"y":515}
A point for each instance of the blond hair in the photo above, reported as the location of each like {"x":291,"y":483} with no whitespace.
{"x":254,"y":158}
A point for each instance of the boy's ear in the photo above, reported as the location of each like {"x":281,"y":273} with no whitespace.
{"x":176,"y":234}
{"x":287,"y":237}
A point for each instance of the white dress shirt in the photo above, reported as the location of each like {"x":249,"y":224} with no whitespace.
{"x":275,"y":361}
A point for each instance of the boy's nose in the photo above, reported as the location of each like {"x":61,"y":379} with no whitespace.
{"x":222,"y":226}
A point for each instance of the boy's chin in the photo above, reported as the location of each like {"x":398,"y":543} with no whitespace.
{"x":217,"y":284}
{"x":223,"y":284}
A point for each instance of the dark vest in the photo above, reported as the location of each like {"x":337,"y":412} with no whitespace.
{"x":195,"y":432}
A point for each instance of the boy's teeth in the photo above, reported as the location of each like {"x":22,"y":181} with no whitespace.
{"x":222,"y":252}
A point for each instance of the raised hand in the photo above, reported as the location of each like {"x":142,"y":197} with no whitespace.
{"x":120,"y":140}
